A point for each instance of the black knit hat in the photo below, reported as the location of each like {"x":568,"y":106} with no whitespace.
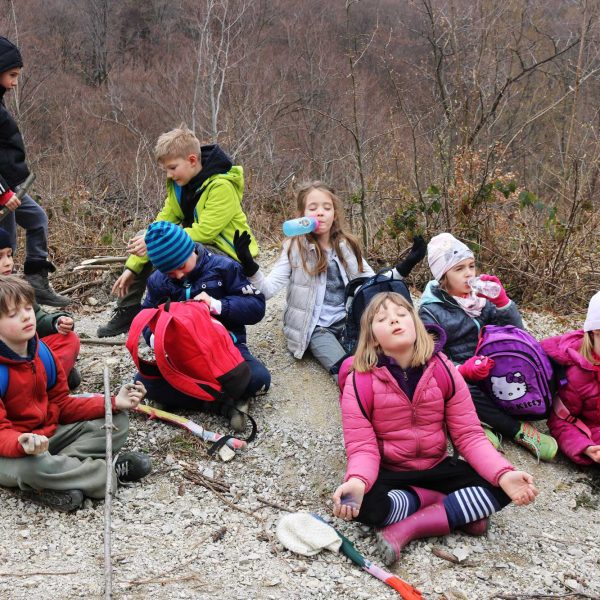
{"x":4,"y":239}
{"x":10,"y":57}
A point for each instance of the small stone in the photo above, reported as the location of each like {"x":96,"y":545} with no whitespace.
{"x":24,"y":533}
{"x":91,"y":301}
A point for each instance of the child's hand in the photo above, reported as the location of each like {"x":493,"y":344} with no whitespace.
{"x":203,"y":297}
{"x":502,"y":299}
{"x":64,"y":325}
{"x":593,"y":452}
{"x":130,"y":395}
{"x":213,"y":304}
{"x":241,"y":243}
{"x":121,"y":286}
{"x":348,"y":498}
{"x":518,"y":486}
{"x":13,"y":203}
{"x":137,"y":246}
{"x":33,"y":444}
{"x":476,"y":368}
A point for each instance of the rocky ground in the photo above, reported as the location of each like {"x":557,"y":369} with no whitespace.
{"x":173,"y":537}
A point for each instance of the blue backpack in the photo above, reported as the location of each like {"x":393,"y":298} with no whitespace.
{"x":49,"y":365}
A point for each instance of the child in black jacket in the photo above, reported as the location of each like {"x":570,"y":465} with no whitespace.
{"x":13,"y":171}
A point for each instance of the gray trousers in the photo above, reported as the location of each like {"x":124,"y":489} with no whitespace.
{"x":325,"y":346}
{"x":31,"y":217}
{"x":74,"y":461}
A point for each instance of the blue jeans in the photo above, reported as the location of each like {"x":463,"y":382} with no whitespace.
{"x":161,"y":390}
{"x":32,"y":217}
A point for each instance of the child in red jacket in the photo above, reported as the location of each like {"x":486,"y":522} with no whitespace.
{"x":399,"y":475}
{"x":52,"y":444}
{"x":575,"y":418}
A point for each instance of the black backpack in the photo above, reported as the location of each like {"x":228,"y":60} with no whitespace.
{"x":359,"y":292}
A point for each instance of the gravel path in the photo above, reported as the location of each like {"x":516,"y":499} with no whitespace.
{"x":174,"y":538}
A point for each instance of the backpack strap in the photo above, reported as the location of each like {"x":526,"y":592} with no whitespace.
{"x":562,"y":412}
{"x":143,"y":319}
{"x":363,"y":388}
{"x":49,"y":366}
{"x":3,"y":380}
{"x":444,"y":375}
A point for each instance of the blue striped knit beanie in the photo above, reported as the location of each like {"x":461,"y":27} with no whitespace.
{"x":168,"y":246}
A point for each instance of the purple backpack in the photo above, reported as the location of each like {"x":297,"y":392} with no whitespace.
{"x":521,"y":380}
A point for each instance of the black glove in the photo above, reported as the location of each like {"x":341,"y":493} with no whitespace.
{"x":241,"y":243}
{"x":416,"y":254}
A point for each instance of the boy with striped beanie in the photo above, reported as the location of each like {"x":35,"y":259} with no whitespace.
{"x":188,"y":271}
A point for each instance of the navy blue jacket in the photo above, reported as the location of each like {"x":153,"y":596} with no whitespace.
{"x":221,"y":278}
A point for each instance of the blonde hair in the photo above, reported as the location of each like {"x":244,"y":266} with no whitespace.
{"x":587,"y":348}
{"x":339,"y":231}
{"x":177,"y":143}
{"x":368,"y":348}
{"x":14,"y":293}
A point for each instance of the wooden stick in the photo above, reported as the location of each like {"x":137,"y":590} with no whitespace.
{"x":108,"y":424}
{"x":4,"y":574}
{"x":550,"y":596}
{"x":273,"y":504}
{"x":201,"y":480}
{"x":94,"y":268}
{"x":82,"y":285}
{"x":104,"y":260}
{"x":99,"y":342}
{"x":163,"y":580}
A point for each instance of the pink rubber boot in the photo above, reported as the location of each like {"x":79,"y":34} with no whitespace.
{"x":428,"y":497}
{"x":426,"y":522}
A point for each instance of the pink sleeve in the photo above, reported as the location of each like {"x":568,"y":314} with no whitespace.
{"x":571,"y":440}
{"x":359,"y":439}
{"x":468,"y":436}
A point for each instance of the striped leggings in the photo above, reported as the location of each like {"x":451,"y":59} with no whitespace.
{"x":470,"y":497}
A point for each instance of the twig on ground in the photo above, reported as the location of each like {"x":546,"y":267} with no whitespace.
{"x":549,"y":596}
{"x":163,"y":580}
{"x":273,"y":504}
{"x":94,"y":268}
{"x":204,"y":481}
{"x":83,"y":284}
{"x":99,"y":342}
{"x":32,"y":573}
{"x":104,"y":260}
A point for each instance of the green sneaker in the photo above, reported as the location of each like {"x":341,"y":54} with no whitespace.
{"x":494,"y":439}
{"x":541,"y":445}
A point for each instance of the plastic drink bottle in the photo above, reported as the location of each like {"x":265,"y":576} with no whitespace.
{"x":487,"y":288}
{"x":300,"y":226}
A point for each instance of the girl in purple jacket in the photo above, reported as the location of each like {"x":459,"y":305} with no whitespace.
{"x":575,"y":420}
{"x":399,"y":477}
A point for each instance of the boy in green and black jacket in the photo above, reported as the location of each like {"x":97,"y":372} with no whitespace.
{"x":204,"y":194}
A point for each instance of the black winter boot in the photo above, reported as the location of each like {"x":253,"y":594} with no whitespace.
{"x":36,"y":273}
{"x":62,"y":501}
{"x":120,"y":321}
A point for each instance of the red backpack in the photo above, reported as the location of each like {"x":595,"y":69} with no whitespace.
{"x":194,"y":352}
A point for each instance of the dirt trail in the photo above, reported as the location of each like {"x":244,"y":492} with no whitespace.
{"x":175,"y":539}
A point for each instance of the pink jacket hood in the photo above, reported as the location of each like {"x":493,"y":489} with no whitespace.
{"x":564,"y":349}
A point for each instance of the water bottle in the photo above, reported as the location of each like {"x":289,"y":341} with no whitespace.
{"x":491,"y":289}
{"x":300,"y":226}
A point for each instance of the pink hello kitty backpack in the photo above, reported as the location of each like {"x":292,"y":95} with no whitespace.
{"x":521,"y":382}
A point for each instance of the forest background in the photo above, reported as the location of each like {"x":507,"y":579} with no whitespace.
{"x":472,"y":116}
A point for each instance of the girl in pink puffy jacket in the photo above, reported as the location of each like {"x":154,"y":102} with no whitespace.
{"x":575,"y":419}
{"x":399,"y":477}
